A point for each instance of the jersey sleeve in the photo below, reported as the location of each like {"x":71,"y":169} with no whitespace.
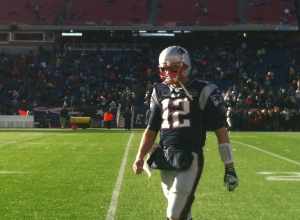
{"x":214,"y":111}
{"x":155,"y":119}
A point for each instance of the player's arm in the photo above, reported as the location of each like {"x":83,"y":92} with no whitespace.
{"x":224,"y":147}
{"x":216,"y":120}
{"x":225,"y":150}
{"x":146,"y":144}
{"x":149,"y":135}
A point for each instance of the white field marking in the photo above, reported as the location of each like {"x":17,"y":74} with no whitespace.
{"x":243,"y":135}
{"x":265,"y":173}
{"x":8,"y":142}
{"x":115,"y":195}
{"x":281,"y":176}
{"x":6,"y":172}
{"x":4,"y":143}
{"x":268,"y":152}
{"x":36,"y":143}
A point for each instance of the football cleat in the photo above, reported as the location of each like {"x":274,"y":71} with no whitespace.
{"x":230,"y":179}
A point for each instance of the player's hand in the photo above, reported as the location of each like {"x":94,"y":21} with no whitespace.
{"x":231,"y":180}
{"x":138,"y":166}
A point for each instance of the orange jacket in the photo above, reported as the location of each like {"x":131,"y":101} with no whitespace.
{"x":108,"y":116}
{"x":23,"y":113}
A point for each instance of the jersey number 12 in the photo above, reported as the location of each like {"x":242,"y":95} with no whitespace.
{"x":173,"y":110}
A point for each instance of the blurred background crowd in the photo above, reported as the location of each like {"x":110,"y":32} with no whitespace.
{"x":260,"y":80}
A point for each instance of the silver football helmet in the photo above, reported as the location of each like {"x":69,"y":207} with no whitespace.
{"x":174,"y":63}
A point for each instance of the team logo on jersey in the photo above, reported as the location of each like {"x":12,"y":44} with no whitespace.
{"x":216,"y":99}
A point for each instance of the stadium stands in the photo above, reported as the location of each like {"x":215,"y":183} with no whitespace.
{"x":193,"y":12}
{"x":102,"y":79}
{"x":257,"y":79}
{"x":135,"y":12}
{"x":171,"y":10}
{"x":16,"y":11}
{"x":271,"y":12}
{"x":108,"y":12}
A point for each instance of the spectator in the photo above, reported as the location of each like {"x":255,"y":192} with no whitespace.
{"x":107,"y":119}
{"x":64,"y":117}
{"x":100,"y":114}
{"x":127,"y":117}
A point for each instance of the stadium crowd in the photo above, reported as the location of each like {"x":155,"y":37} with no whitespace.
{"x":261,"y":84}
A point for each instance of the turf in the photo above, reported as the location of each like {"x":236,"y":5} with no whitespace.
{"x":54,"y":174}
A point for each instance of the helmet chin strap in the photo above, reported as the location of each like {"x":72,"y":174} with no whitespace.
{"x":185,"y":90}
{"x":176,"y":80}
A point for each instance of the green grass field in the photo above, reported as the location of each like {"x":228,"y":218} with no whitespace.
{"x":53,"y":174}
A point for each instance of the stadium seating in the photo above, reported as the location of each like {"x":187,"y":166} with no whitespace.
{"x":172,"y":12}
{"x":255,"y":74}
{"x":168,"y":12}
{"x":191,"y":12}
{"x":271,"y":12}
{"x":50,"y":10}
{"x":114,"y":12}
{"x":23,"y":11}
{"x":16,"y":11}
{"x":221,"y":12}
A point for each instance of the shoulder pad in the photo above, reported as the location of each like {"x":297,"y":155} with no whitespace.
{"x":205,"y":94}
{"x":195,"y":87}
{"x":162,"y":91}
{"x":199,"y":83}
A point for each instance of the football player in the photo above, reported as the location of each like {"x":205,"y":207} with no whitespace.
{"x":183,"y":110}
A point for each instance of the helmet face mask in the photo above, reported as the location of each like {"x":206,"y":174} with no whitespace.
{"x":174,"y":65}
{"x":172,"y":73}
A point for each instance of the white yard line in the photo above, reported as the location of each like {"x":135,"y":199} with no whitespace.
{"x":5,"y":143}
{"x":7,"y":172}
{"x":268,"y":152}
{"x":30,"y":141}
{"x":115,"y":195}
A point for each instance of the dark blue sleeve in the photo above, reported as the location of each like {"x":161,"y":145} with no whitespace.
{"x":155,"y":119}
{"x":214,"y":112}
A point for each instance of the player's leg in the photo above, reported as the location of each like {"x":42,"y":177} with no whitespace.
{"x":167,"y":179}
{"x":181,"y":193}
{"x":186,"y":213}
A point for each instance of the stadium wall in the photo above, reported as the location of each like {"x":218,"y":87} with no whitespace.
{"x":12,"y":121}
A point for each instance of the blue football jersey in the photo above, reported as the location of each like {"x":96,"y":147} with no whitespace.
{"x":182,"y":120}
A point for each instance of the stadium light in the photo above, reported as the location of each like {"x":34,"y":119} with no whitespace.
{"x":71,"y":34}
{"x":157,"y":34}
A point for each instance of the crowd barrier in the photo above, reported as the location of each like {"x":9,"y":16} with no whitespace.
{"x":15,"y":121}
